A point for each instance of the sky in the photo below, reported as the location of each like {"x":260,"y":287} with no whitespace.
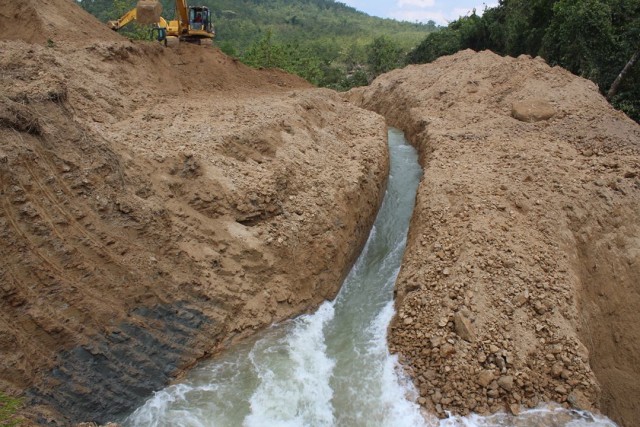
{"x":440,"y":11}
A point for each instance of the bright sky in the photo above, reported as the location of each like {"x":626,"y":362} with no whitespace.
{"x":440,"y":11}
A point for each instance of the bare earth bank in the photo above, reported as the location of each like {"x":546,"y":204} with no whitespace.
{"x":157,"y":204}
{"x":520,"y":284}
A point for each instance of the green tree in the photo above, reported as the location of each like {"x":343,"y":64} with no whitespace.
{"x":624,"y":92}
{"x":357,"y":78}
{"x":265,"y":53}
{"x":444,"y":42}
{"x":580,"y":37}
{"x":523,"y":25}
{"x":472,"y":32}
{"x":383,"y":55}
{"x":354,"y":56}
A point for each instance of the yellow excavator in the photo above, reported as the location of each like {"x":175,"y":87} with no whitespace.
{"x":191,"y":24}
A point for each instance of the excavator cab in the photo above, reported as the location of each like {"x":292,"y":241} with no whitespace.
{"x":200,"y":18}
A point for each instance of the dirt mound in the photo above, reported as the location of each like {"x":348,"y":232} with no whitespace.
{"x":520,"y":280}
{"x":158,"y":204}
{"x":61,"y":21}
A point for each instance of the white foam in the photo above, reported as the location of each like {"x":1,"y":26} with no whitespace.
{"x":159,"y":409}
{"x":545,"y":416}
{"x":295,"y":392}
{"x":397,"y":393}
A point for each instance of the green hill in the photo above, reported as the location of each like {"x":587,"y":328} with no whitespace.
{"x":326,"y":42}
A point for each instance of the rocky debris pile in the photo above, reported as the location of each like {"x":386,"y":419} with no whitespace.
{"x":501,"y":303}
{"x":457,"y":367}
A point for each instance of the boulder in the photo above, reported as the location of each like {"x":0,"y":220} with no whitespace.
{"x":532,"y":110}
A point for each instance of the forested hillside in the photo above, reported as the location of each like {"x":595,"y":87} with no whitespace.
{"x":326,"y":42}
{"x":334,"y":45}
{"x":595,"y":39}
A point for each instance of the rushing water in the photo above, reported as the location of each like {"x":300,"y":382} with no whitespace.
{"x":330,"y":368}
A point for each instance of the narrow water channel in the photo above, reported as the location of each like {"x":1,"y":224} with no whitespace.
{"x":330,"y":368}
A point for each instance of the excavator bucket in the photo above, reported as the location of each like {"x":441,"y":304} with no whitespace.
{"x":148,"y":12}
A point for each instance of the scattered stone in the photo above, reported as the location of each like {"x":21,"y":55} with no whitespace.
{"x":578,"y":400}
{"x":436,"y":341}
{"x":515,"y":409}
{"x":447,"y":349}
{"x":464,"y":328}
{"x":521,"y":300}
{"x":556,"y":369}
{"x":539,"y":308}
{"x":506,"y":382}
{"x":485,"y":378}
{"x":556,"y":349}
{"x":430,"y":374}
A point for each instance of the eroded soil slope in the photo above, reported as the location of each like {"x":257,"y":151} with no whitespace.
{"x":157,"y":203}
{"x":520,"y":283}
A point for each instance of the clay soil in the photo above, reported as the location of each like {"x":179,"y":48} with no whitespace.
{"x":521,"y":280}
{"x":157,"y":204}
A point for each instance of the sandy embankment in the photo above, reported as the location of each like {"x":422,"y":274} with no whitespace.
{"x":520,"y":284}
{"x":157,"y":203}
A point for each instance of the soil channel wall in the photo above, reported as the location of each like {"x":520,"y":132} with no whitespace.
{"x":520,"y":281}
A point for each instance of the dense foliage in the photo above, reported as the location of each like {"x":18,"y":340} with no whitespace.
{"x":324,"y":41}
{"x":591,"y":38}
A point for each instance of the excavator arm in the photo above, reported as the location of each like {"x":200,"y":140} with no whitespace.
{"x":182,"y":10}
{"x":131,"y":16}
{"x":124,"y":20}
